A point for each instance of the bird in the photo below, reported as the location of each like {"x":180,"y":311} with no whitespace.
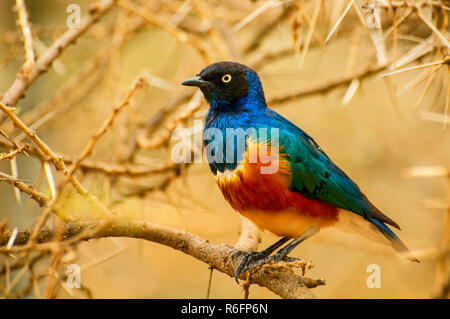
{"x":303,"y":194}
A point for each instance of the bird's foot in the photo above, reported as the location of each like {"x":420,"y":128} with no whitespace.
{"x":248,"y":259}
{"x":254,"y":260}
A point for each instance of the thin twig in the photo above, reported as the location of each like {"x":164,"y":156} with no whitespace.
{"x":4,"y":156}
{"x":103,"y":129}
{"x":156,"y":20}
{"x":27,"y":38}
{"x":327,"y":85}
{"x":39,"y":197}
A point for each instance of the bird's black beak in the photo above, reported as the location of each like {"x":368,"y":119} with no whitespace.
{"x":195,"y":81}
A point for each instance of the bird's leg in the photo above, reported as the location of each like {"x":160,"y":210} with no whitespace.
{"x":255,"y":255}
{"x":282,"y":253}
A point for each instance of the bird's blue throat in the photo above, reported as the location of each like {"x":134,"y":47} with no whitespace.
{"x":225,"y":114}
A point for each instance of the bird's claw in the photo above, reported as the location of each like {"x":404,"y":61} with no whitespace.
{"x":253,"y":260}
{"x":245,"y":261}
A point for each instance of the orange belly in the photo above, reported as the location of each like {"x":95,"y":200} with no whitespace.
{"x":289,"y":223}
{"x":268,"y":202}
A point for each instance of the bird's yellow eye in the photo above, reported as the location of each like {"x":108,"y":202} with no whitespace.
{"x":226,"y":78}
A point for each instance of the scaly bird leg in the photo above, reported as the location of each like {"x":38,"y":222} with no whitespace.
{"x":253,"y":256}
{"x":280,"y":255}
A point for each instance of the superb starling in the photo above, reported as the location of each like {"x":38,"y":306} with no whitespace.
{"x":304,"y":193}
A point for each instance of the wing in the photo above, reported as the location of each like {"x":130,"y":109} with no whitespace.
{"x":316,"y":176}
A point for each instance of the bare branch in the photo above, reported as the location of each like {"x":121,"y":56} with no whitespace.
{"x":156,"y":20}
{"x":103,"y":129}
{"x":39,"y":197}
{"x":12,"y":154}
{"x":21,"y":84}
{"x":27,"y":37}
{"x":224,"y":258}
{"x":328,"y":85}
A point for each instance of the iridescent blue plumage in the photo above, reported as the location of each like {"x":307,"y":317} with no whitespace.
{"x":225,"y":114}
{"x":313,"y":175}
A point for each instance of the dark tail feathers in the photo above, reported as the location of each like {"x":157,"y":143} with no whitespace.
{"x":393,"y":239}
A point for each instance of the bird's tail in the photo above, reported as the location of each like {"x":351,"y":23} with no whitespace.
{"x":396,"y":243}
{"x":373,"y":228}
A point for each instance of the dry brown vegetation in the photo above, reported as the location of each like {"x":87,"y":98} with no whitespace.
{"x":87,"y":116}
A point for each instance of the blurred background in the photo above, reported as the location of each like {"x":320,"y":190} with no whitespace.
{"x":387,"y":131}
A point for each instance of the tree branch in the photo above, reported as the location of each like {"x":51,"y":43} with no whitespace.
{"x":39,"y":197}
{"x":224,"y":258}
{"x":21,"y":84}
{"x":12,"y":154}
{"x":27,"y":37}
{"x":325,"y":87}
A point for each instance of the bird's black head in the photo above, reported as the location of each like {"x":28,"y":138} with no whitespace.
{"x":228,"y":84}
